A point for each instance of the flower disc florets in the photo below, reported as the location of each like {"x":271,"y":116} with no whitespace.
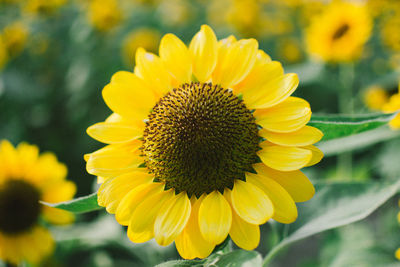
{"x":199,"y":138}
{"x":19,"y":206}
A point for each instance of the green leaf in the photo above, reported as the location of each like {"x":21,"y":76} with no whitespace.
{"x":78,"y":205}
{"x":235,"y":258}
{"x":357,"y":141}
{"x":238,"y":258}
{"x":335,"y":205}
{"x":336,"y":126}
{"x":182,"y":263}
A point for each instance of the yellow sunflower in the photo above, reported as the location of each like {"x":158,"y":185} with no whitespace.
{"x":3,"y":53}
{"x":393,"y":105}
{"x":375,"y":97}
{"x":205,"y":141}
{"x":339,"y":33}
{"x":43,"y":7}
{"x":25,"y":179}
{"x":15,"y":37}
{"x":104,"y":14}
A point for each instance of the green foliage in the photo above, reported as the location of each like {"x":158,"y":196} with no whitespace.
{"x":235,"y":258}
{"x":335,"y":205}
{"x":78,"y":205}
{"x":357,"y":141}
{"x":336,"y":126}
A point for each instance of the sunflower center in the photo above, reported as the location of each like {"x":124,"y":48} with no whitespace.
{"x":19,"y":206}
{"x":341,"y":31}
{"x":199,"y":138}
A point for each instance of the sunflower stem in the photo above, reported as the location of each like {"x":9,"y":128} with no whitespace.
{"x":346,"y":77}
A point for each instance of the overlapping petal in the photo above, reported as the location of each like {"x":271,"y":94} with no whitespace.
{"x":172,"y":218}
{"x":289,"y":116}
{"x":272,"y":93}
{"x":204,"y":52}
{"x":235,"y":61}
{"x":215,"y":217}
{"x":244,"y":234}
{"x":128,"y":96}
{"x":115,"y":132}
{"x":132,"y":199}
{"x":295,"y":183}
{"x":113,"y":160}
{"x":303,"y":137}
{"x":176,"y":58}
{"x":191,"y":243}
{"x":141,"y":225}
{"x":285,"y":210}
{"x":250,"y":203}
{"x":284,"y":158}
{"x":153,"y":71}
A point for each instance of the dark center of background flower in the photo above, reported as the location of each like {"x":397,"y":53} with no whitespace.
{"x":19,"y":206}
{"x":341,"y":31}
{"x":199,"y":138}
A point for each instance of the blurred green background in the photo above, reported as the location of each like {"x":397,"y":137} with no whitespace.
{"x":57,"y":55}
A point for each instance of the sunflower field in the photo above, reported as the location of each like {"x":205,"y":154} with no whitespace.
{"x":199,"y":133}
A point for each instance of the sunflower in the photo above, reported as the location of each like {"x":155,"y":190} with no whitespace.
{"x":393,"y":105}
{"x":375,"y":97}
{"x":25,"y":179}
{"x":339,"y":33}
{"x":15,"y":37}
{"x":3,"y":53}
{"x":104,"y":14}
{"x":205,"y":141}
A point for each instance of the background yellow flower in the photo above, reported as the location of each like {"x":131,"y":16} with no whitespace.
{"x":25,"y":179}
{"x":339,"y":33}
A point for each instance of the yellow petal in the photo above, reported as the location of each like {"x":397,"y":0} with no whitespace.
{"x":262,"y":57}
{"x":272,"y":93}
{"x":57,"y":216}
{"x":176,"y":58}
{"x":58,"y":191}
{"x":172,"y":218}
{"x":114,"y":160}
{"x":190,"y":243}
{"x":317,"y":155}
{"x":235,"y":64}
{"x":284,"y":158}
{"x":141,"y":226}
{"x":244,"y":234}
{"x":114,"y":190}
{"x":250,"y":203}
{"x":114,"y":117}
{"x":9,"y":157}
{"x":131,"y":99}
{"x":44,"y":243}
{"x":259,"y":76}
{"x":203,"y":49}
{"x":215,"y":217}
{"x":28,"y":154}
{"x":284,"y":206}
{"x":304,"y":136}
{"x":153,"y":71}
{"x":295,"y":183}
{"x":113,"y":133}
{"x":132,"y":200}
{"x":289,"y":116}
